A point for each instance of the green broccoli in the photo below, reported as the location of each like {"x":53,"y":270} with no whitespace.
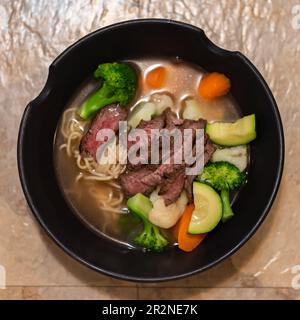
{"x":223,"y":176}
{"x":150,"y":238}
{"x":119,"y":85}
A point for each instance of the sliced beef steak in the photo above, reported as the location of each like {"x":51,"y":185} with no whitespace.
{"x":194,"y":125}
{"x":164,"y":170}
{"x":168,"y":175}
{"x":156,"y":123}
{"x":106,"y":118}
{"x":209,"y":149}
{"x":131,"y":182}
{"x":188,"y":186}
{"x":171,"y":188}
{"x":171,"y":119}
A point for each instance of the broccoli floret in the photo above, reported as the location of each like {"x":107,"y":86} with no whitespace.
{"x":119,"y":85}
{"x":150,"y":238}
{"x":223,"y":176}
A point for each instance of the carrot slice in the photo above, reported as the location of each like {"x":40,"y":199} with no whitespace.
{"x":213,"y":85}
{"x":156,"y":77}
{"x":188,"y":242}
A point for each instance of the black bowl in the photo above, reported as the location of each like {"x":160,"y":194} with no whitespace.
{"x":153,"y":37}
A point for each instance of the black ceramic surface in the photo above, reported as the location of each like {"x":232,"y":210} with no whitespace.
{"x":128,"y":40}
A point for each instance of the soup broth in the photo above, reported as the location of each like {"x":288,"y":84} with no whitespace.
{"x":88,"y":195}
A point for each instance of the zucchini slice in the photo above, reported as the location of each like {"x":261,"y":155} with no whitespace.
{"x":208,"y":209}
{"x":232,"y":134}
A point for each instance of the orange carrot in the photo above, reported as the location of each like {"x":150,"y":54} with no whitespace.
{"x":213,"y":85}
{"x":188,"y":242}
{"x":156,"y":77}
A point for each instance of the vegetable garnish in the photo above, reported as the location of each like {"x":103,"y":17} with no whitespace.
{"x":119,"y":85}
{"x":223,"y":176}
{"x":213,"y":85}
{"x":188,"y":242}
{"x":156,"y":77}
{"x":192,"y":110}
{"x":235,"y":133}
{"x":208,"y":209}
{"x":150,"y":238}
{"x":235,"y":155}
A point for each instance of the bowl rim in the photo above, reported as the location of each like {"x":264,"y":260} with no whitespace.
{"x":46,"y":90}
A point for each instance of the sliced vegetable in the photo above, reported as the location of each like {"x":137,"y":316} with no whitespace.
{"x":232,"y":134}
{"x":162,"y":102}
{"x":150,"y":238}
{"x":192,"y":110}
{"x":223,"y":176}
{"x":155,"y":78}
{"x":144,"y":111}
{"x":166,"y":216}
{"x":186,"y":241}
{"x":235,"y":155}
{"x":119,"y":85}
{"x":208,"y":209}
{"x":213,"y":85}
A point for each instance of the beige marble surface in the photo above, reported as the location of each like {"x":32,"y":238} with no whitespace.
{"x":33,"y":32}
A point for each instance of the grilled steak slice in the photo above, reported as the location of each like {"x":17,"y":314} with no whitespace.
{"x":106,"y":118}
{"x":188,"y":186}
{"x":131,"y":182}
{"x":171,"y":188}
{"x":155,"y":123}
{"x":194,"y":125}
{"x":148,"y":126}
{"x":164,"y":170}
{"x":171,"y":119}
{"x":168,"y":175}
{"x":169,"y":168}
{"x":209,"y":149}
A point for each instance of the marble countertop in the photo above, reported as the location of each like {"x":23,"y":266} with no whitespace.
{"x":33,"y":33}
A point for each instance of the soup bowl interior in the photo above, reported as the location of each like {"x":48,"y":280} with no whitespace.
{"x":129,"y":40}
